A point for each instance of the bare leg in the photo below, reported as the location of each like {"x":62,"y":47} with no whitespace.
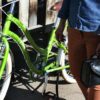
{"x":77,"y":54}
{"x":92,"y":41}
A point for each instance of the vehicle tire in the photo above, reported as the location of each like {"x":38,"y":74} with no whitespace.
{"x":5,"y":81}
{"x":62,"y":61}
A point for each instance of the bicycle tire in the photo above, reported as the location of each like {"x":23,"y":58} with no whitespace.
{"x":7,"y":78}
{"x":65,"y":72}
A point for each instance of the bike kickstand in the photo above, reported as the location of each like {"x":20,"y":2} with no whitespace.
{"x":45,"y":83}
{"x":57,"y":85}
{"x":56,"y":96}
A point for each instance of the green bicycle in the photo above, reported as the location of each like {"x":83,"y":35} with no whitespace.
{"x":44,"y":54}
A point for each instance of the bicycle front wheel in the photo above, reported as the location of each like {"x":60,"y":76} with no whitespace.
{"x":6,"y":78}
{"x":63,"y":61}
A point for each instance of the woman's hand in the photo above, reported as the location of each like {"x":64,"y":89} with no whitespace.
{"x":59,"y":33}
{"x":60,"y":29}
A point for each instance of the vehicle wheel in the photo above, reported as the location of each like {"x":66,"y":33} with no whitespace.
{"x":63,"y":60}
{"x":68,"y":76}
{"x":5,"y":80}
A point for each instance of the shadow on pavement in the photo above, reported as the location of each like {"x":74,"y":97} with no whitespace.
{"x":22,"y":94}
{"x":23,"y":88}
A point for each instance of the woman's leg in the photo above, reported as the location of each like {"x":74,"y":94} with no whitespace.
{"x":77,"y":54}
{"x":92,"y":41}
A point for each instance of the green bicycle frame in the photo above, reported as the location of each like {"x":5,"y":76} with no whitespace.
{"x":7,"y":32}
{"x":3,"y":63}
{"x":46,"y":52}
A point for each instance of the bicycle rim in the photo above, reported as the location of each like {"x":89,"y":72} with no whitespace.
{"x":68,"y":76}
{"x":5,"y":81}
{"x":63,"y":60}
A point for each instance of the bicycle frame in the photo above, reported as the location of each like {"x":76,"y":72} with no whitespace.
{"x":2,"y":67}
{"x":45,"y":52}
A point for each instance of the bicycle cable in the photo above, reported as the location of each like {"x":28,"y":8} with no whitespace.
{"x":1,"y":8}
{"x":10,"y":3}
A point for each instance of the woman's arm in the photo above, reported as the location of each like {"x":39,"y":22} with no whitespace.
{"x":63,"y":15}
{"x":60,"y":28}
{"x":64,"y":11}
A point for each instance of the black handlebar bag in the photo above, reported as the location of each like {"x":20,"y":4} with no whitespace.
{"x":90,"y":73}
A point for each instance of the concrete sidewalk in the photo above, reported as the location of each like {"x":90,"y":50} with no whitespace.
{"x":22,"y":88}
